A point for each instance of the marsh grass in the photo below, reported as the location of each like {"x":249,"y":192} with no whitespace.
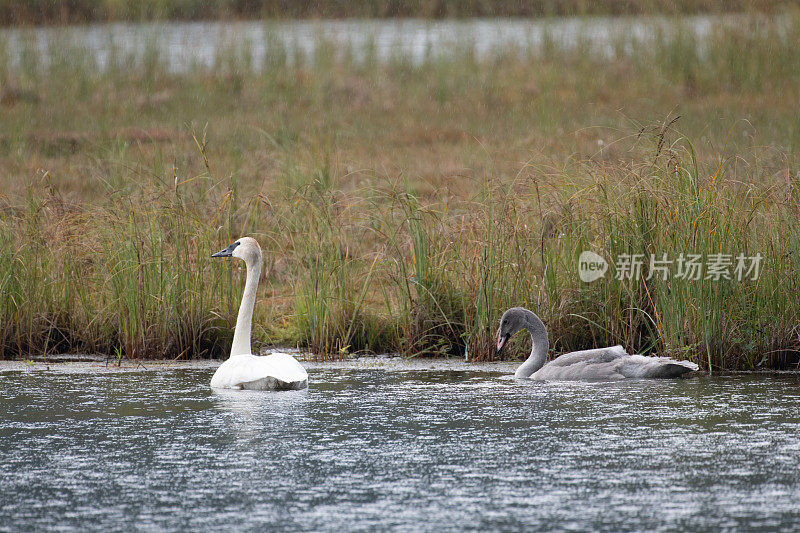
{"x":402,"y":207}
{"x":113,"y":279}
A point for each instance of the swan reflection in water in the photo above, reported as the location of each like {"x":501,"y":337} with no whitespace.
{"x":252,"y":413}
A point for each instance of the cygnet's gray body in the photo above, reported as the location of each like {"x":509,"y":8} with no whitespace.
{"x":612,"y":363}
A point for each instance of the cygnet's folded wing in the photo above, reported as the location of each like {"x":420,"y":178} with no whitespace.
{"x":642,"y":366}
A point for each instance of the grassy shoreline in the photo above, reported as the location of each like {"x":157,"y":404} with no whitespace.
{"x":402,"y":207}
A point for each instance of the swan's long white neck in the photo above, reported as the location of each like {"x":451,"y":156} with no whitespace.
{"x":541,"y":345}
{"x":241,"y":335}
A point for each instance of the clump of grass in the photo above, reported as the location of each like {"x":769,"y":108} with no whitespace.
{"x":114,"y":279}
{"x":331,"y":292}
{"x":434,"y":322}
{"x":677,"y":206}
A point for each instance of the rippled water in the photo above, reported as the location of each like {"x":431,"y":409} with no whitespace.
{"x":429,"y":450}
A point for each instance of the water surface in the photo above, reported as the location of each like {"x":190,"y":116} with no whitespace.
{"x":412,"y":450}
{"x":184,"y":45}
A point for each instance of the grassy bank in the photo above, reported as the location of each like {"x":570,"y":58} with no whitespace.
{"x":402,"y":207}
{"x":82,"y":11}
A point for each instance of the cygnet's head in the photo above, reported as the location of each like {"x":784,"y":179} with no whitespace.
{"x":246,"y":249}
{"x":512,"y":321}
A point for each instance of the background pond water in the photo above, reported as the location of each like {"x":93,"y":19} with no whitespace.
{"x":428,"y":450}
{"x":184,"y":45}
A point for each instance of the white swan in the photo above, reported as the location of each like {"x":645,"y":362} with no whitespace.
{"x":243,"y":370}
{"x":610,"y":363}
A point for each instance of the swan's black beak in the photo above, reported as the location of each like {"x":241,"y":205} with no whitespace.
{"x":227,"y":252}
{"x":501,"y":342}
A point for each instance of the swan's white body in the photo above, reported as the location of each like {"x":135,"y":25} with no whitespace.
{"x":612,"y":363}
{"x":243,"y":370}
{"x":276,"y":371}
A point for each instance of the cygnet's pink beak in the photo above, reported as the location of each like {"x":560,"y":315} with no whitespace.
{"x":501,"y":341}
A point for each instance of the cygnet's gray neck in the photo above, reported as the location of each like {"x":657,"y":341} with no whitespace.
{"x":541,"y":345}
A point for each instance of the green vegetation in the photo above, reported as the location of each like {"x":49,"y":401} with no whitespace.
{"x":403,"y":207}
{"x":78,"y":11}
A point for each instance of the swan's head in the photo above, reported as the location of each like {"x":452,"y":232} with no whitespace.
{"x":246,"y":249}
{"x":512,"y":321}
